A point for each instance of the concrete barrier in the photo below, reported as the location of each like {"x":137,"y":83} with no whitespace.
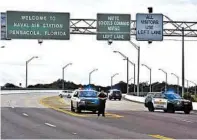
{"x":28,"y":91}
{"x":142,"y":99}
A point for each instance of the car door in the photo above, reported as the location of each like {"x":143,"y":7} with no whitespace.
{"x":74,"y":99}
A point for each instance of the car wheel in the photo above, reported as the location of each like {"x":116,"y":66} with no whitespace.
{"x":94,"y":111}
{"x":170,"y":108}
{"x":72,"y":108}
{"x":151,"y":107}
{"x":78,"y":110}
{"x":165,"y":110}
{"x":187,"y":111}
{"x":61,"y":96}
{"x":120,"y":99}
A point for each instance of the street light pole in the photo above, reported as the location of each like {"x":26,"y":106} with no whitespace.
{"x":150,"y":74}
{"x":194,"y":85}
{"x":138,"y":76}
{"x":166,"y":78}
{"x":112,"y":79}
{"x":63,"y":74}
{"x":26,"y":79}
{"x":90,"y":75}
{"x":133,"y":73}
{"x":125,"y":58}
{"x":177,"y":81}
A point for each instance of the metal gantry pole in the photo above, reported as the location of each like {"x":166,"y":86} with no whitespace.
{"x":183,"y":63}
{"x":134,"y":79}
{"x":63,"y":74}
{"x":127,"y":75}
{"x":138,"y":75}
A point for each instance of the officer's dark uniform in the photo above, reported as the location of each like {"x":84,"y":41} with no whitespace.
{"x":102,"y":100}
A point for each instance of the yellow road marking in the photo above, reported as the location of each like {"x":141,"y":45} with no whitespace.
{"x":161,"y":137}
{"x":60,"y":110}
{"x":110,"y":115}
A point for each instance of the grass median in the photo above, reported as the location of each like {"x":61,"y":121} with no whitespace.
{"x":58,"y":104}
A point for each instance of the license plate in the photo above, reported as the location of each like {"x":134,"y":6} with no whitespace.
{"x":186,"y":103}
{"x":160,"y":106}
{"x":117,"y":95}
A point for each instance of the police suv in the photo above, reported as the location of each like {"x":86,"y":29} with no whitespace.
{"x":114,"y":94}
{"x":84,"y":100}
{"x":167,"y":101}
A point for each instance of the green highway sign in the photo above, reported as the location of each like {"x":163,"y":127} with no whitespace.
{"x":38,"y":25}
{"x":113,"y":27}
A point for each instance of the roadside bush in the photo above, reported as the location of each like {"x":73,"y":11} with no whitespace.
{"x":188,"y":96}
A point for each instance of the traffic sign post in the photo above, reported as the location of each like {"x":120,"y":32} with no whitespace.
{"x":38,"y":25}
{"x":149,"y":27}
{"x":113,"y":27}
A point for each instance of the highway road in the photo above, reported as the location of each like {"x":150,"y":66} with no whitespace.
{"x":22,"y":117}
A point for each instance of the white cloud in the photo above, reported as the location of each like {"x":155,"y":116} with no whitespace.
{"x":87,"y":53}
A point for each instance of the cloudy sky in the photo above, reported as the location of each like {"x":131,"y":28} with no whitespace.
{"x":86,"y":53}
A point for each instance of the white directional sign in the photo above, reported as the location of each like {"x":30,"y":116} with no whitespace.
{"x":149,"y":27}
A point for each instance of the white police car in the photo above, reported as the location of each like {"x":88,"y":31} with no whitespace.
{"x":167,"y":101}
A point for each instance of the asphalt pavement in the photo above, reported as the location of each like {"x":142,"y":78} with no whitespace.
{"x":22,"y":117}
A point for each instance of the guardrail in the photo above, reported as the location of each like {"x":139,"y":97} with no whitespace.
{"x":142,"y":99}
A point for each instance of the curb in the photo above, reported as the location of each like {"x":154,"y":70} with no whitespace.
{"x":132,"y":101}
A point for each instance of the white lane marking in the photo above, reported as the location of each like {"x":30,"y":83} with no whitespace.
{"x":25,"y":114}
{"x":74,"y":133}
{"x":12,"y":107}
{"x":50,"y":125}
{"x":186,"y":121}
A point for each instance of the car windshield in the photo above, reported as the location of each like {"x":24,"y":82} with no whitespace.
{"x":116,"y":92}
{"x":173,"y":96}
{"x":88,"y":94}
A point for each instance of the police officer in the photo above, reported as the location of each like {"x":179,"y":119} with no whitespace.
{"x":102,"y":100}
